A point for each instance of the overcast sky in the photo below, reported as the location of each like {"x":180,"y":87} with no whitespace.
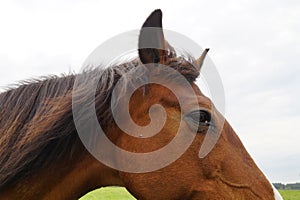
{"x":255,"y":45}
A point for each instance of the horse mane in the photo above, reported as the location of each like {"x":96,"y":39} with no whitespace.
{"x":36,"y":120}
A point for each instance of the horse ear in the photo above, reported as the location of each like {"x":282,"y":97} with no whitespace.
{"x":200,"y":60}
{"x":153,"y":47}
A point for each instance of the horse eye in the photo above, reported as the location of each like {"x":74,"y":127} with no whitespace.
{"x":201,"y":117}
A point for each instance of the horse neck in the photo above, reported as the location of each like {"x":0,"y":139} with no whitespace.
{"x":64,"y":180}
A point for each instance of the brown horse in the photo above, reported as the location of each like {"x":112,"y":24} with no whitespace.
{"x":42,"y":156}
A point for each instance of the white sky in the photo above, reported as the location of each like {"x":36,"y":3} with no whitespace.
{"x":255,"y":44}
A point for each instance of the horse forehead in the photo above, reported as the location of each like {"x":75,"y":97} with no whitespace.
{"x":183,"y":91}
{"x":187,"y":98}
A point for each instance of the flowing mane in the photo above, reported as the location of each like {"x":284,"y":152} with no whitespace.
{"x":48,"y":103}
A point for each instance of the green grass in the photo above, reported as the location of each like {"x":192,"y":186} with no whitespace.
{"x":290,"y":194}
{"x":120,"y":193}
{"x":107,"y":193}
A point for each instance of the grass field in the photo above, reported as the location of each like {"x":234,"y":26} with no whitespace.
{"x":120,"y":193}
{"x":108,"y":193}
{"x":290,"y":194}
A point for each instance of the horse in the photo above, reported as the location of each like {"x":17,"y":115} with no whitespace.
{"x":43,"y":157}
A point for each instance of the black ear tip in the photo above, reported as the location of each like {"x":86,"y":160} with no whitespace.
{"x":157,"y":12}
{"x":154,"y":19}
